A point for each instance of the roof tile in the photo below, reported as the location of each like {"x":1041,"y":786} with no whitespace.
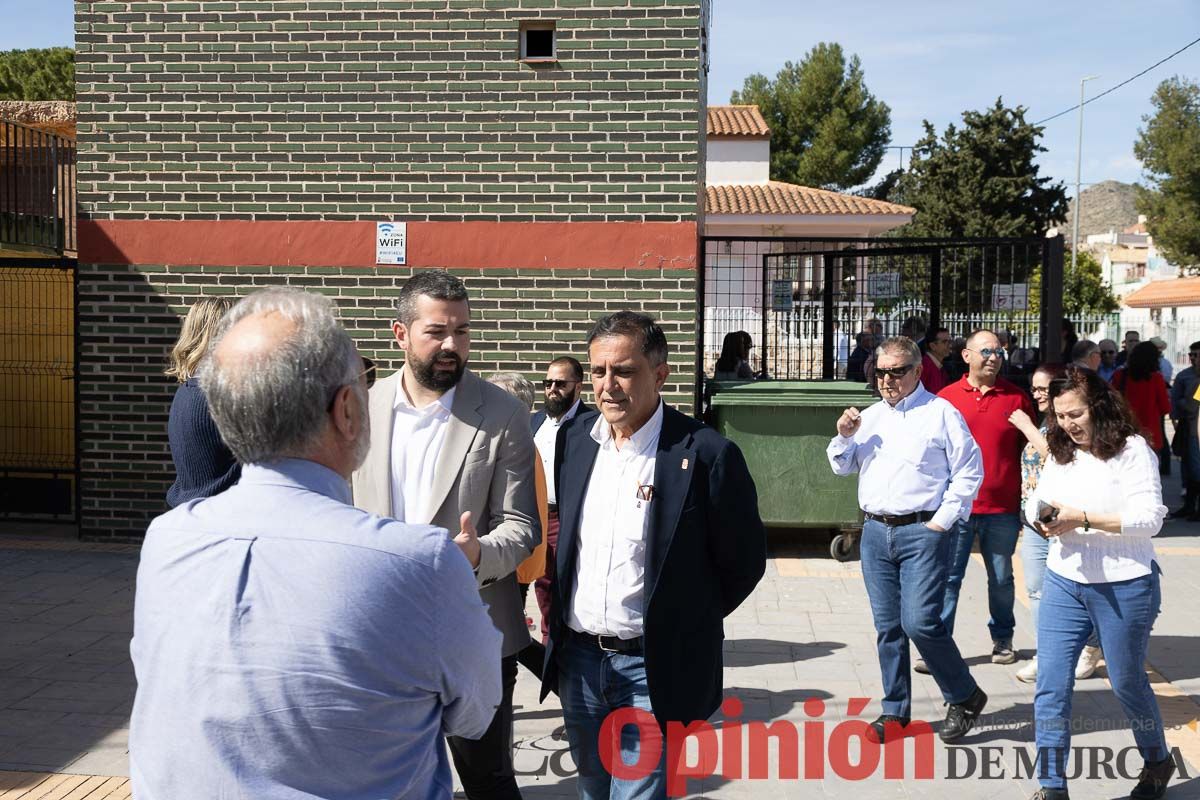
{"x":737,"y":121}
{"x":776,"y":197}
{"x":1166,"y":294}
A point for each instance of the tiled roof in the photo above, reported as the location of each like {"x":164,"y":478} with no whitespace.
{"x":737,"y":121}
{"x":788,"y":198}
{"x":1166,"y":294}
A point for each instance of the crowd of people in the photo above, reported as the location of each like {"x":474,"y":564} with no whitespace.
{"x":334,"y":606}
{"x":1081,"y":489}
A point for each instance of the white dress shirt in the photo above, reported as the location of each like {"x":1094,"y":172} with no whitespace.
{"x":545,"y":439}
{"x":417,"y":438}
{"x":1127,"y":484}
{"x":918,"y":455}
{"x":610,"y":570}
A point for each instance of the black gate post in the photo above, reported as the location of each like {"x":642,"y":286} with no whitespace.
{"x":768,"y":294}
{"x":935,"y":289}
{"x":1052,"y":300}
{"x":827,"y":318}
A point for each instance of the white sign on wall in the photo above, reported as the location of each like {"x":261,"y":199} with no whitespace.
{"x":391,"y":242}
{"x":883,"y":285}
{"x":781,"y":295}
{"x":1010,"y":297}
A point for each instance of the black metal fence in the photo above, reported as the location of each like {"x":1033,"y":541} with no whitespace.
{"x":39,"y":457}
{"x":805,"y":300}
{"x":37,"y":189}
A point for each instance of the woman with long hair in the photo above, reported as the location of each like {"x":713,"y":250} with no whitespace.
{"x":734,"y":363}
{"x":1145,"y":389}
{"x":1098,"y":501}
{"x":204,"y":466}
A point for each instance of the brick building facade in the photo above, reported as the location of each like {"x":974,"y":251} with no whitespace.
{"x":227,"y":145}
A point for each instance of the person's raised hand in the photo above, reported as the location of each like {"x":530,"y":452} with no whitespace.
{"x":849,"y":422}
{"x":468,"y":541}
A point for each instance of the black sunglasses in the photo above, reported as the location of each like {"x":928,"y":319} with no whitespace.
{"x":894,"y":372}
{"x":557,"y":384}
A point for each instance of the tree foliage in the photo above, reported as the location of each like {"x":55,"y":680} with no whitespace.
{"x":1084,"y":289}
{"x":980,"y":179}
{"x":1169,"y":149}
{"x":46,"y":74}
{"x":827,"y":130}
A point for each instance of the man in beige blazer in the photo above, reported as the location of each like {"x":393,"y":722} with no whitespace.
{"x":451,"y":450}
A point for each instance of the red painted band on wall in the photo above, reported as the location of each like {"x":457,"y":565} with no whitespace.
{"x":465,"y":245}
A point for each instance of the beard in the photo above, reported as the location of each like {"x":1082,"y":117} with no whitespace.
{"x":557,"y":406}
{"x":436,"y":380}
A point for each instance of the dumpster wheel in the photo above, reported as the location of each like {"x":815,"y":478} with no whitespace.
{"x":843,"y":545}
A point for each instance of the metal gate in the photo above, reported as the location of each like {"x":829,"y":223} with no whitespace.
{"x":805,"y":301}
{"x":39,"y":456}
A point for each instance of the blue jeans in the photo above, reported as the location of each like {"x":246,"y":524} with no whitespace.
{"x":904,"y":569}
{"x":592,"y":684}
{"x":1034,"y":550}
{"x":1193,"y":456}
{"x":1123,"y":614}
{"x":997,"y":543}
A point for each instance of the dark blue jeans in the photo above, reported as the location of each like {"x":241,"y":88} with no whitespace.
{"x":1122,"y":613}
{"x":905,"y":572}
{"x":592,"y":684}
{"x":997,"y":542}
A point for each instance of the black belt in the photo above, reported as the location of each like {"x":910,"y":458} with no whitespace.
{"x":609,"y":644}
{"x":896,"y":520}
{"x":552,"y":508}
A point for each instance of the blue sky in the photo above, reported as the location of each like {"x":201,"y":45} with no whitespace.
{"x":933,"y":59}
{"x":929,"y":59}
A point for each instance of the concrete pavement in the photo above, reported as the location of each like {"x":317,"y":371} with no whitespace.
{"x":66,"y":685}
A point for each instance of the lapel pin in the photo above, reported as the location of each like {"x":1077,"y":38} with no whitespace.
{"x":684,"y":464}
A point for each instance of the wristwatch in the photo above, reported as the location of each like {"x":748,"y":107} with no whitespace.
{"x":1087,"y":526}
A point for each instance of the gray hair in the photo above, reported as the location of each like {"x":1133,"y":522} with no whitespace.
{"x":275,"y":404}
{"x":899,"y":345}
{"x":515,"y":384}
{"x":637,"y":326}
{"x":1083,"y":349}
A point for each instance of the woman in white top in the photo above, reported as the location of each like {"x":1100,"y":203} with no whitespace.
{"x":1100,"y":498}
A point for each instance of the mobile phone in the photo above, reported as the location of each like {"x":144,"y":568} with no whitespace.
{"x":1046,"y":513}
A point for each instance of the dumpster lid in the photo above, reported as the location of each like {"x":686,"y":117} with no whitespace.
{"x":791,"y":393}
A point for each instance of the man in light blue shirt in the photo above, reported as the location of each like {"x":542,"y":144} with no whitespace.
{"x":919,"y":470}
{"x":286,"y":643}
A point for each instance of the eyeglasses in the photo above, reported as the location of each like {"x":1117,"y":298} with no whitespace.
{"x":1108,"y":352}
{"x":988,"y":352}
{"x":1040,"y":390}
{"x":551,"y":383}
{"x":894,"y":372}
{"x":368,"y":369}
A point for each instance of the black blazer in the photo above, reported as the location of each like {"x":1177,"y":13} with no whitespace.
{"x":706,"y":551}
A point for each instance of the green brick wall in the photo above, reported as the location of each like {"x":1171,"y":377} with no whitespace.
{"x":129,"y":320}
{"x":347,"y":109}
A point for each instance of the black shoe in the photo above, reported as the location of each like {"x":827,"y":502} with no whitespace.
{"x":1050,"y":794}
{"x":888,"y":726}
{"x":960,"y":717}
{"x":1187,"y":510}
{"x":1153,"y":779}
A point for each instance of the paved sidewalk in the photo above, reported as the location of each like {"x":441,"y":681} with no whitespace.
{"x":66,"y":685}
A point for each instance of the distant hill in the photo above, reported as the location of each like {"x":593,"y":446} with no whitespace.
{"x":1106,"y":206}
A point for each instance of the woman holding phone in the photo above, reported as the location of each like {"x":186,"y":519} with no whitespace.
{"x":1100,"y":496}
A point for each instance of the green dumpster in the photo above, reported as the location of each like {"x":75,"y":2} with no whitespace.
{"x":783,"y":428}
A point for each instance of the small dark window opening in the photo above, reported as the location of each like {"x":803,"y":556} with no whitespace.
{"x":537,"y":42}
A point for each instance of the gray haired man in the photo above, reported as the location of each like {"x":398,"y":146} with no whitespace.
{"x":266,"y":661}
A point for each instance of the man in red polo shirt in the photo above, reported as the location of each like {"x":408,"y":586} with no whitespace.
{"x":986,"y":401}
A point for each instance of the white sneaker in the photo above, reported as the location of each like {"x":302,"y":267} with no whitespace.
{"x":1089,"y":659}
{"x":920,"y":666}
{"x":1028,"y":673}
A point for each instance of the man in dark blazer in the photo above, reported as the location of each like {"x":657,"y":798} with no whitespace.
{"x":660,"y":539}
{"x":563,"y":389}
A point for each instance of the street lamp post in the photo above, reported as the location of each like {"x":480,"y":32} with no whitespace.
{"x":1078,"y":167}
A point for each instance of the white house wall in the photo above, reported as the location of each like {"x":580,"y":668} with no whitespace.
{"x":731,"y":161}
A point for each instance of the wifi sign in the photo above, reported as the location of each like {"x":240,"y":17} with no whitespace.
{"x":391,"y":242}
